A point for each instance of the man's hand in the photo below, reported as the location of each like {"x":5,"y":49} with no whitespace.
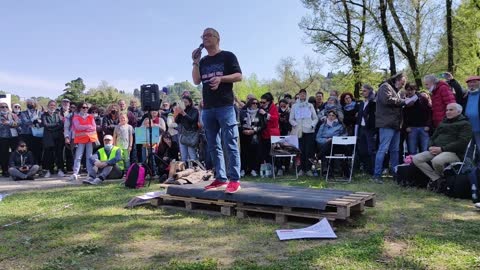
{"x":196,"y":55}
{"x":67,"y":140}
{"x":435,"y":150}
{"x":262,"y":111}
{"x":215,"y":82}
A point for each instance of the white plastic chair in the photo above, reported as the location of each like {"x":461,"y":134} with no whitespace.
{"x":346,"y":141}
{"x":293,"y":140}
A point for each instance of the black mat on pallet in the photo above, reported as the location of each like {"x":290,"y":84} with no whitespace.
{"x":264,"y":193}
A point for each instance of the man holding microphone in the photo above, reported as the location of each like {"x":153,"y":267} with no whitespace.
{"x":217,"y":72}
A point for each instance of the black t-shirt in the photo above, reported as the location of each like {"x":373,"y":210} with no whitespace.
{"x":221,"y":64}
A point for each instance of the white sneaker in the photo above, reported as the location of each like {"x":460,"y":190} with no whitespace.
{"x":477,"y":205}
{"x":74,"y":177}
{"x":60,"y":173}
{"x":280,"y":172}
{"x":300,"y":173}
{"x":47,"y":175}
{"x":254,"y":173}
{"x":309,"y":174}
{"x":88,"y":181}
{"x":97,"y":181}
{"x":242,"y":173}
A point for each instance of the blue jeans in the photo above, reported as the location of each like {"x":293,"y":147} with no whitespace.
{"x":224,"y":119}
{"x":187,"y":152}
{"x":366,"y":148}
{"x":416,"y":136}
{"x":88,"y":148}
{"x":389,"y":141}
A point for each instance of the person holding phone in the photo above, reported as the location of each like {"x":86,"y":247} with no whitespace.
{"x":217,"y":72}
{"x":22,"y":164}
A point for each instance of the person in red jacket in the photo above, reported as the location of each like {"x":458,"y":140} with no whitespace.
{"x":442,"y":95}
{"x":272,"y":126}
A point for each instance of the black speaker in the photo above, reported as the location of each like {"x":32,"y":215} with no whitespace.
{"x":150,"y":97}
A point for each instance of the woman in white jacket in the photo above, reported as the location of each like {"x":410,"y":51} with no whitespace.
{"x":303,"y":119}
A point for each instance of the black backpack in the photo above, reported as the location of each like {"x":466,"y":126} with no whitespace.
{"x":408,"y":175}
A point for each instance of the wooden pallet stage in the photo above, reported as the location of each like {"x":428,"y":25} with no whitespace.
{"x":280,"y":203}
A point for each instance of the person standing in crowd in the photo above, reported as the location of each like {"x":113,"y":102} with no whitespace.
{"x":331,"y":104}
{"x":417,"y":120}
{"x":123,"y":138}
{"x":187,"y":120}
{"x":252,"y":124}
{"x":218,"y":71}
{"x":67,"y":111}
{"x":111,"y":120}
{"x":441,"y":96}
{"x":95,"y":111}
{"x":448,"y":144}
{"x":284,"y":116}
{"x":166,"y":153}
{"x":137,"y":111}
{"x":331,"y":128}
{"x":165,"y":110}
{"x":85,"y":135}
{"x":31,"y":118}
{"x":303,"y":119}
{"x":333,"y":93}
{"x":53,"y":142}
{"x":319,"y":104}
{"x":388,"y":120}
{"x":473,"y":114}
{"x":22,"y":165}
{"x":17,"y":109}
{"x":366,"y":128}
{"x":172,"y":126}
{"x":132,"y":119}
{"x":350,"y":110}
{"x":8,"y":136}
{"x":270,"y":112}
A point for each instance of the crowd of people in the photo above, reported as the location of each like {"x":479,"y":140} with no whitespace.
{"x":433,"y":126}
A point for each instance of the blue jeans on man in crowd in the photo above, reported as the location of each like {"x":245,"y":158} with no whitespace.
{"x":417,"y":136}
{"x":187,"y":152}
{"x":224,"y":119}
{"x":389,"y":141}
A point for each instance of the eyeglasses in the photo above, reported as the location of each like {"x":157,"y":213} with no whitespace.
{"x":17,"y":107}
{"x":22,"y":145}
{"x":207,"y":36}
{"x":262,"y":102}
{"x":254,"y":103}
{"x":3,"y":107}
{"x":84,"y":107}
{"x":106,"y":140}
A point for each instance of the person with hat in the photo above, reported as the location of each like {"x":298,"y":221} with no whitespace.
{"x":106,"y":163}
{"x":303,"y":119}
{"x":472,"y":111}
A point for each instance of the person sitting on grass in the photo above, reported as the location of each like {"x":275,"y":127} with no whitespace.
{"x":447,"y":144}
{"x":107,"y":163}
{"x":22,"y":164}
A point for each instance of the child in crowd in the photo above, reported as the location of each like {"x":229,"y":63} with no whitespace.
{"x":123,"y":138}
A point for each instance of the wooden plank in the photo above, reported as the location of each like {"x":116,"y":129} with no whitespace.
{"x":331,"y":215}
{"x":193,"y":199}
{"x":343,"y":212}
{"x":280,"y":218}
{"x":371,"y":202}
{"x":226,"y":210}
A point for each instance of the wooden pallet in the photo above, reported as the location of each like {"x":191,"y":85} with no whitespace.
{"x":191,"y":204}
{"x":338,"y":209}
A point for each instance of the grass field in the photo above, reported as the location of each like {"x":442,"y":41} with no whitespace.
{"x":408,"y":229}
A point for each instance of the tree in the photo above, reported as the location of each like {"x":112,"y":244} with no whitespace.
{"x":136,"y":93}
{"x":339,"y":26}
{"x":249,"y":85}
{"x":448,"y":5}
{"x":74,"y":90}
{"x":104,"y":94}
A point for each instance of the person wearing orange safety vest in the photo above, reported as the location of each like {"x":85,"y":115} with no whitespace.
{"x":84,"y":131}
{"x":107,"y":163}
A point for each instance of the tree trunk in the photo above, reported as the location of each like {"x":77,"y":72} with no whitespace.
{"x":356,"y":68}
{"x":449,"y":37}
{"x":388,"y":37}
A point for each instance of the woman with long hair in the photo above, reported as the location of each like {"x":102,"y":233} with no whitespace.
{"x":111,"y":119}
{"x":349,"y":108}
{"x":270,"y":112}
{"x":187,"y":120}
{"x":85,"y":135}
{"x":166,"y":153}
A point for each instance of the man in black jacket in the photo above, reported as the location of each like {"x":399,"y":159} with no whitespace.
{"x":366,"y":128}
{"x":22,"y":164}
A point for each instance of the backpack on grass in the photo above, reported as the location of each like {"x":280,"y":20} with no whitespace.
{"x":135,"y":176}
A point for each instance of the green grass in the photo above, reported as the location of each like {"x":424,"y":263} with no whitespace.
{"x":408,"y":229}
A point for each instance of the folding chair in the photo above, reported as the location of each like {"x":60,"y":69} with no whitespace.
{"x":293,"y":140}
{"x":346,"y":141}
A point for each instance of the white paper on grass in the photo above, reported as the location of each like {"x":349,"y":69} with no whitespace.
{"x":321,"y":229}
{"x":144,"y":199}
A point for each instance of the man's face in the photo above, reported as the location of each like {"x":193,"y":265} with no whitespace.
{"x":302,"y":95}
{"x":319,"y":98}
{"x":65,"y":104}
{"x":452,"y":111}
{"x":52,"y":105}
{"x":401,"y":82}
{"x":428,"y":84}
{"x":263,"y":103}
{"x":166,"y":106}
{"x":209,"y":38}
{"x":122,"y":105}
{"x":365,"y":92}
{"x":473,"y":84}
{"x":73,"y":108}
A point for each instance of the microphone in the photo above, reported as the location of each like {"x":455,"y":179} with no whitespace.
{"x":199,"y":51}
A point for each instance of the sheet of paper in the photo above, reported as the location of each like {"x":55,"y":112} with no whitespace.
{"x":144,"y":199}
{"x":321,"y":229}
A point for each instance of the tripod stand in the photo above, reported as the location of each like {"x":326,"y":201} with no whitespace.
{"x":150,"y":155}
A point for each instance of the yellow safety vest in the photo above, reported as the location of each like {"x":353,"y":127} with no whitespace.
{"x":103,"y":156}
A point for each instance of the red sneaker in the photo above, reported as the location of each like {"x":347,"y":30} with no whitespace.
{"x":216,"y":185}
{"x":233,"y":187}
